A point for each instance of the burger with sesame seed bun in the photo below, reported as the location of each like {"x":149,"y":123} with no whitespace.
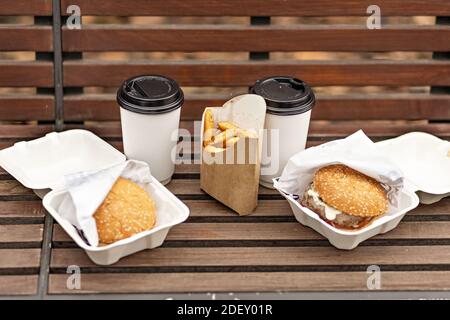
{"x":345,"y":198}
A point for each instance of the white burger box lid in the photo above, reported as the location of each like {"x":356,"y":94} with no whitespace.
{"x":425,"y":162}
{"x":41,"y":164}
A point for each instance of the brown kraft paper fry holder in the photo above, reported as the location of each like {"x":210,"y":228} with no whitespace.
{"x":231,"y":175}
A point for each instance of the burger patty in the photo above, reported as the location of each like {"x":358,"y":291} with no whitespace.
{"x":342,"y":220}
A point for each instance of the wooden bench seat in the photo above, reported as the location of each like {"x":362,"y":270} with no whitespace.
{"x":215,"y":250}
{"x":73,"y":79}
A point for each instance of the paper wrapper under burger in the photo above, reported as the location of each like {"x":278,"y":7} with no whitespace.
{"x":233,"y":179}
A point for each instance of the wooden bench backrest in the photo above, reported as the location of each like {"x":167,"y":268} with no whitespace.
{"x":258,"y":39}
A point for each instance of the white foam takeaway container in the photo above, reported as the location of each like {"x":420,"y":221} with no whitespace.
{"x":41,"y":164}
{"x":425,"y":161}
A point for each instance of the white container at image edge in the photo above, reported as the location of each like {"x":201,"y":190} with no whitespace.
{"x":289,"y":102}
{"x":150,"y":109}
{"x":42,"y":163}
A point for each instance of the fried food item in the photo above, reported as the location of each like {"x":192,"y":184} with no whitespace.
{"x":226,"y":125}
{"x":213,"y":149}
{"x":227,"y":134}
{"x":126,"y":210}
{"x":246,"y":134}
{"x":221,"y":138}
{"x":231,"y":142}
{"x":345,"y":198}
{"x":209,"y":120}
{"x":208,"y":130}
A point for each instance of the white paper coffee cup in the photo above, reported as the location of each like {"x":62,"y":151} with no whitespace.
{"x":150,"y":109}
{"x":289,"y":102}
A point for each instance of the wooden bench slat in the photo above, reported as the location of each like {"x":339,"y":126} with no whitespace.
{"x":25,"y":38}
{"x":18,"y":285}
{"x":19,"y":258}
{"x":21,"y":209}
{"x":317,"y":129}
{"x":21,"y":233}
{"x":249,"y":282}
{"x":248,"y":38}
{"x":192,"y":187}
{"x":23,"y":132}
{"x":245,"y":73}
{"x":26,"y":7}
{"x":328,"y":107}
{"x":26,"y":107}
{"x":26,"y":73}
{"x":258,"y":8}
{"x":263,"y":256}
{"x":294,"y":231}
{"x":281,"y":208}
{"x":14,"y":188}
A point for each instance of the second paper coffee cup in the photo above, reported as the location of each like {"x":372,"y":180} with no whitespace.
{"x":289,"y":102}
{"x":150,"y":108}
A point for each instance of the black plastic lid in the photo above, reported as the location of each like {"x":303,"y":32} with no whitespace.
{"x":150,"y":94}
{"x":285,"y":95}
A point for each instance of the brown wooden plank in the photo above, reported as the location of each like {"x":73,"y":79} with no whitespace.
{"x":104,"y":106}
{"x":328,"y":107}
{"x":318,"y":129}
{"x":265,"y":256}
{"x":211,"y":208}
{"x":25,"y":38}
{"x":21,"y":233}
{"x":26,"y":7}
{"x":258,"y":8}
{"x":192,"y":187}
{"x":26,"y":107}
{"x":14,"y":188}
{"x":250,"y":282}
{"x":281,"y":231}
{"x":19,"y":258}
{"x":119,"y":145}
{"x":18,"y":285}
{"x":439,"y":208}
{"x":294,"y":231}
{"x":248,"y":38}
{"x":23,"y":132}
{"x":21,"y":209}
{"x":201,"y":73}
{"x":26,"y":74}
{"x":382,"y":107}
{"x":281,"y":208}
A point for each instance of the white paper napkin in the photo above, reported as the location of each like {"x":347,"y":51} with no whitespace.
{"x":88,"y":189}
{"x":356,"y":151}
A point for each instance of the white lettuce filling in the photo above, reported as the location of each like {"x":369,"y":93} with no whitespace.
{"x":330,"y":212}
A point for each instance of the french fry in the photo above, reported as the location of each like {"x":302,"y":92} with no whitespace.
{"x":226,"y":125}
{"x":212,"y":149}
{"x":208,"y":128}
{"x":231,"y":142}
{"x":222,"y":137}
{"x":246,"y":133}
